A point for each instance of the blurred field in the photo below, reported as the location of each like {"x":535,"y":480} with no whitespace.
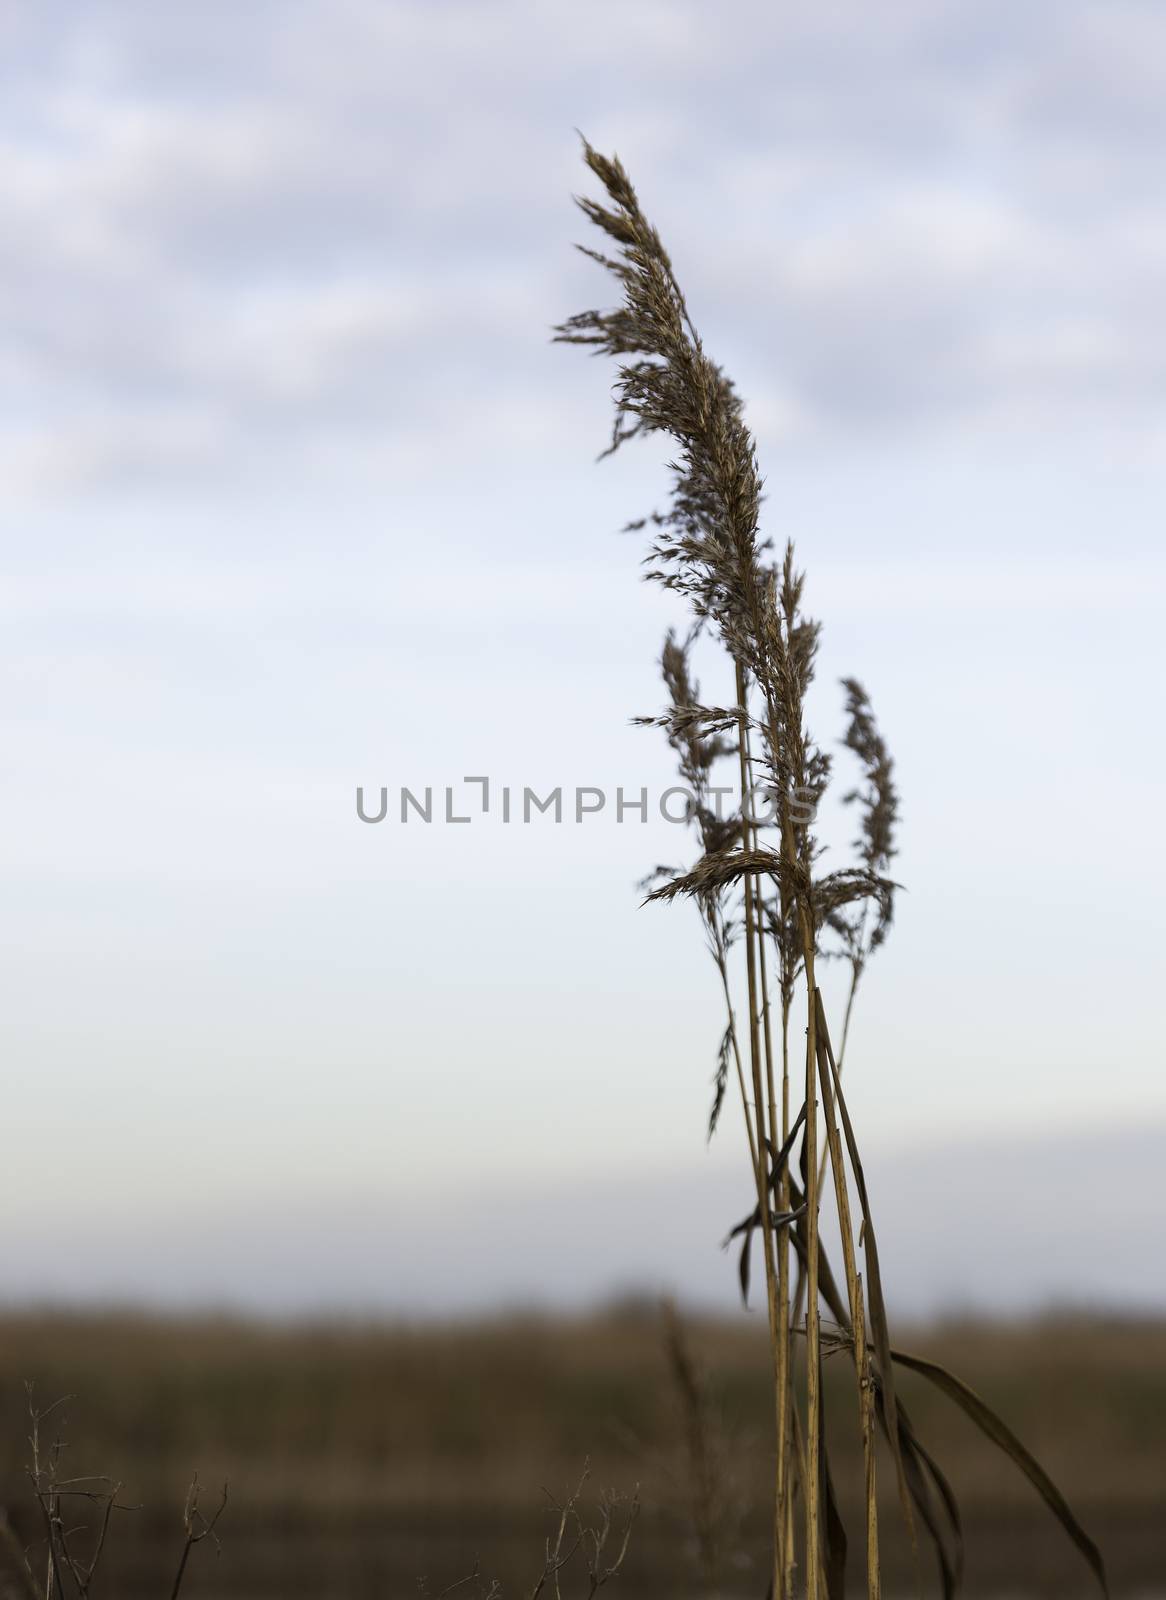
{"x":363,"y":1458}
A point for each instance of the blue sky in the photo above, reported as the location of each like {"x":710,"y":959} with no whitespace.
{"x":298,"y":496}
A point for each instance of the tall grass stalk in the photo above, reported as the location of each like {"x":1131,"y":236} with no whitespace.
{"x":780,"y":1272}
{"x":707,"y":548}
{"x":755,"y":973}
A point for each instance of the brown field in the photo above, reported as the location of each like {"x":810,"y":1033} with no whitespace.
{"x":363,"y":1458}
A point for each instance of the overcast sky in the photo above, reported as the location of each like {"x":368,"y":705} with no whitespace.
{"x":297,"y":495}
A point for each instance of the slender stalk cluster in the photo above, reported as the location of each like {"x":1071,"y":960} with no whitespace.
{"x":765,"y":906}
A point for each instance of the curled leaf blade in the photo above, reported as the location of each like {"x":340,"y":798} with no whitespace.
{"x":1001,"y":1435}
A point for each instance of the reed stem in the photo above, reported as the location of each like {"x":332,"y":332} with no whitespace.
{"x":813,"y":1330}
{"x":854,"y":1287}
{"x":783,"y":1307}
{"x":855,"y":974}
{"x":782,"y":1374}
{"x":752,"y":931}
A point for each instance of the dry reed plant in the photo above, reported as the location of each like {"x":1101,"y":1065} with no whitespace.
{"x":766,"y":907}
{"x":584,"y":1551}
{"x":73,"y":1549}
{"x":592,"y":1547}
{"x":861,"y":931}
{"x":697,"y":1457}
{"x":713,"y":1508}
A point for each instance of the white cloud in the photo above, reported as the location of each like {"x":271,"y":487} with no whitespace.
{"x":946,"y":215}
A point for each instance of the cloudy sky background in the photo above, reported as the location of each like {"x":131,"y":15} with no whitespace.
{"x":298,"y":496}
